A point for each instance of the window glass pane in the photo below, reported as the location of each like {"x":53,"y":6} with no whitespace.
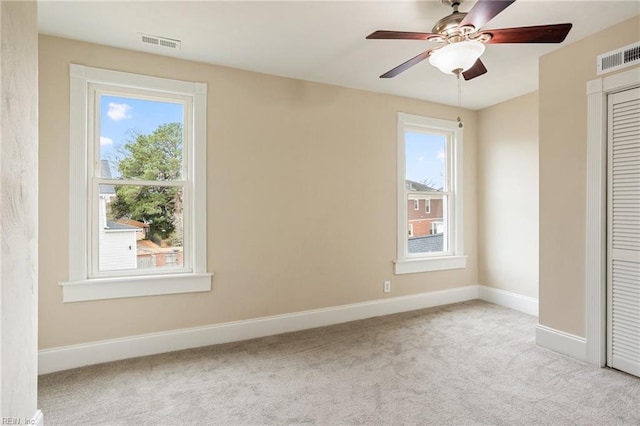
{"x":141,"y":138}
{"x":425,"y":161}
{"x":140,"y":227}
{"x":427,"y":230}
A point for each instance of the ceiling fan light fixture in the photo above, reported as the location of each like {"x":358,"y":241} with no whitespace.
{"x":457,"y":57}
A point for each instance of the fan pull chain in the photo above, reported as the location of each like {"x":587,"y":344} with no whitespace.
{"x":460,"y":125}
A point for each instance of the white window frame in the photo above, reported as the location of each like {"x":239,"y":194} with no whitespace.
{"x":83,"y":284}
{"x":416,"y":204}
{"x":453,"y":257}
{"x":427,"y":206}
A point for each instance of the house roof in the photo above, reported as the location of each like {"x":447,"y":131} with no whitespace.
{"x":416,"y":186}
{"x":426,"y":244}
{"x":105,"y":172}
{"x":120,"y":226}
{"x":134,"y":223}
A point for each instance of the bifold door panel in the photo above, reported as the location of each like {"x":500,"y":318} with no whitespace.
{"x":624,"y":231}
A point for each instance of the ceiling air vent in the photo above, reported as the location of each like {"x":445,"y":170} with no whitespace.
{"x":159,"y":41}
{"x":619,"y":58}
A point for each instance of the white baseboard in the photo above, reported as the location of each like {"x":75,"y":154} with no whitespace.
{"x":564,"y":343}
{"x":37,"y":419}
{"x":528,"y":305}
{"x":67,"y":357}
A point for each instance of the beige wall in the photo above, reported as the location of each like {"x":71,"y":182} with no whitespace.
{"x":508,"y":196}
{"x":301,"y":198}
{"x":563,"y":134}
{"x":18,"y":209}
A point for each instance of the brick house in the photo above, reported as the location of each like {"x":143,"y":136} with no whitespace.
{"x":425,"y":215}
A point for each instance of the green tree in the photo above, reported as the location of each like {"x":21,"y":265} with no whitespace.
{"x":156,"y":157}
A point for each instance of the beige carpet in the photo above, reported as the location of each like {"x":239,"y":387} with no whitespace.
{"x":463,"y":364}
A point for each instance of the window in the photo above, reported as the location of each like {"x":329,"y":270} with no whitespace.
{"x":429,"y":169}
{"x":139,"y":149}
{"x":437,"y":227}
{"x":137,"y":186}
{"x":416,"y":204}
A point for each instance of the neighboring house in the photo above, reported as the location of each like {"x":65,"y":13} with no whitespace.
{"x":142,"y":232}
{"x":424,"y":215}
{"x":152,"y":255}
{"x":116,"y":241}
{"x":425,"y":220}
{"x":117,"y":247}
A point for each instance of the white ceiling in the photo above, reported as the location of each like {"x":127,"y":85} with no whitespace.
{"x":324,"y":41}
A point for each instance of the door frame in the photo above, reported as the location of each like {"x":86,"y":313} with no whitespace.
{"x":598,"y":91}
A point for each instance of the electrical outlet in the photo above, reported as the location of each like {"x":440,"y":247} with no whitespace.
{"x":387,"y":287}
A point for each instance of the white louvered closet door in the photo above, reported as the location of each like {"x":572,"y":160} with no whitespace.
{"x":623,"y":267}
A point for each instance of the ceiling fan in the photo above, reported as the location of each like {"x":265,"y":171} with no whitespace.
{"x":463,"y":41}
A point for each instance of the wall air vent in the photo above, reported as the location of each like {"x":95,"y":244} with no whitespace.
{"x":620,"y":58}
{"x":153,"y":40}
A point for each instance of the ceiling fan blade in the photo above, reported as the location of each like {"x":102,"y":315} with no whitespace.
{"x":406,"y":65}
{"x":539,"y":34}
{"x":484,"y":11}
{"x":475,"y":71}
{"x":400,"y":35}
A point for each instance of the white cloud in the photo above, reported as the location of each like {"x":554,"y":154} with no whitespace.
{"x":105,"y":141}
{"x":440,"y":155}
{"x":118,"y":112}
{"x":421,"y":158}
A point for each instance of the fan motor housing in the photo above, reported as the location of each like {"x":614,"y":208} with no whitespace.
{"x":448,"y":25}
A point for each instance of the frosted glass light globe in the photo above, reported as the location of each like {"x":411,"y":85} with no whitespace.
{"x":456,"y":56}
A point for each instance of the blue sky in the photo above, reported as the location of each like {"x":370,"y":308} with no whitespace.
{"x":120,"y":116}
{"x":425,"y":158}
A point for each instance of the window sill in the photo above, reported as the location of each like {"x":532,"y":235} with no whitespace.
{"x":115,"y":288}
{"x":412,"y":266}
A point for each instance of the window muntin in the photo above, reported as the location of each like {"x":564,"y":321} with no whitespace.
{"x":429,"y":174}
